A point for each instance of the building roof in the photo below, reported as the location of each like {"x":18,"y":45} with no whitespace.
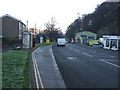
{"x":111,"y":37}
{"x":7,"y":15}
{"x":85,"y":31}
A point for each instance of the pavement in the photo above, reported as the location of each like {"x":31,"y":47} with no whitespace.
{"x":83,"y":66}
{"x":45,"y":72}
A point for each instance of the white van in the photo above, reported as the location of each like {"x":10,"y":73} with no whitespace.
{"x":61,"y":41}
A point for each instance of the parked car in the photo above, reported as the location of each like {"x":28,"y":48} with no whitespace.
{"x":95,"y":43}
{"x":61,"y":42}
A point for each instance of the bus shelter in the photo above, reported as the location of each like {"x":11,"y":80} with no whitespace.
{"x":27,"y":40}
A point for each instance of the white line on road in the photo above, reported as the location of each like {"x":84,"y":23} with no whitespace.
{"x":93,"y":51}
{"x":108,"y":55}
{"x":103,"y":54}
{"x":87,"y":54}
{"x":109,"y":63}
{"x":55,"y":64}
{"x":73,"y":49}
{"x":86,"y":49}
{"x":71,"y":58}
{"x":112,"y":56}
{"x":76,"y":50}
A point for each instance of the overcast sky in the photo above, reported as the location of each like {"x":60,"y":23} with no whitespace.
{"x":40,"y":12}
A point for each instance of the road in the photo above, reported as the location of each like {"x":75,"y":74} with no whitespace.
{"x":84,"y":66}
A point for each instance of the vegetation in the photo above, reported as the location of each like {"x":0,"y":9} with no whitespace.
{"x":44,"y":44}
{"x":73,"y":28}
{"x":15,"y":69}
{"x":103,"y":21}
{"x":51,"y":32}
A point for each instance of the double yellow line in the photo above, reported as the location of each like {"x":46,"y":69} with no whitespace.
{"x":36,"y":71}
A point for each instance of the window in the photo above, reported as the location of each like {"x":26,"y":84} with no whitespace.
{"x":24,"y":28}
{"x":107,"y":43}
{"x":20,"y":26}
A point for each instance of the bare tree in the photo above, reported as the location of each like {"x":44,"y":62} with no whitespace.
{"x":51,"y":24}
{"x":51,"y":32}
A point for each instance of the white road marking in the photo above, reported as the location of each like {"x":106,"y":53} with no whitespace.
{"x":103,"y":54}
{"x":86,"y":49}
{"x":93,"y":51}
{"x":87,"y":54}
{"x":55,"y":64}
{"x":76,"y":50}
{"x":71,"y":48}
{"x":112,"y":56}
{"x":109,"y":63}
{"x":68,"y":46}
{"x":37,"y":71}
{"x":110,"y":60}
{"x":108,"y":55}
{"x":71,"y":58}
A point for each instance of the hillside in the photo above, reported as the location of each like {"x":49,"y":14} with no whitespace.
{"x":103,"y":21}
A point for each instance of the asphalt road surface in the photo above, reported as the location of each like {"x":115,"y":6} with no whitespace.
{"x":84,"y":66}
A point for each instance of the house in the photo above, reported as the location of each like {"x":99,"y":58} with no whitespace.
{"x":11,"y":27}
{"x":84,"y":36}
{"x":0,"y":27}
{"x":11,"y":30}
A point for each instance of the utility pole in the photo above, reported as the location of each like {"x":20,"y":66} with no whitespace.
{"x":39,"y":29}
{"x":35,"y":29}
{"x":27,"y":26}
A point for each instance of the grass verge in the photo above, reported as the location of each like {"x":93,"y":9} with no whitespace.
{"x":44,"y":44}
{"x":15,"y":69}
